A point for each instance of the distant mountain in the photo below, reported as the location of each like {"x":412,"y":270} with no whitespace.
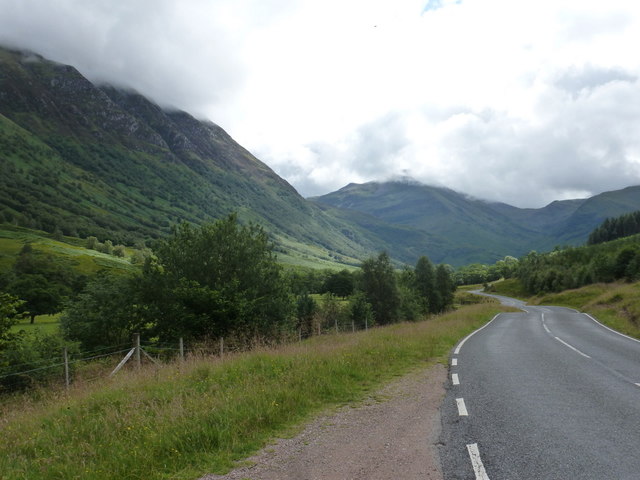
{"x":473,"y":230}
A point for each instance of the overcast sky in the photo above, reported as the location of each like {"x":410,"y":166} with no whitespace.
{"x":517,"y":101}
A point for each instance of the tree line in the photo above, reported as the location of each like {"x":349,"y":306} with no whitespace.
{"x":614,"y":228}
{"x":221,"y":279}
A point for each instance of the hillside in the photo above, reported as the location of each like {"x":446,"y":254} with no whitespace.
{"x":84,"y":160}
{"x":80,"y":159}
{"x":474,"y":230}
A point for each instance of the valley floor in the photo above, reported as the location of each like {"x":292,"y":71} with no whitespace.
{"x":390,"y":435}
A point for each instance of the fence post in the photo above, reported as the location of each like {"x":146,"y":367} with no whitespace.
{"x":300,"y":334}
{"x":335,"y":320}
{"x":221,"y":347}
{"x":137,"y":347}
{"x":353,"y":325}
{"x":366,"y":323}
{"x":66,"y":368}
{"x":181,"y":350}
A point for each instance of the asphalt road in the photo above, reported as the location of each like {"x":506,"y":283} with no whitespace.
{"x":548,"y":393}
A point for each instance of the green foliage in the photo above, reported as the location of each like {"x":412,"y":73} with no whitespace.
{"x":574,"y":267}
{"x":216,"y":279}
{"x":614,"y":228}
{"x":34,"y":359}
{"x":105,"y":313}
{"x":380,"y":287}
{"x":445,"y":287}
{"x":306,"y":308}
{"x":330,"y":313}
{"x":10,"y":314}
{"x":425,"y":285}
{"x":361,"y":311}
{"x":42,"y":281}
{"x":477,"y":273}
{"x":340,"y":284}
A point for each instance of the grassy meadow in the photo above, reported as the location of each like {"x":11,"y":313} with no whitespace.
{"x":68,"y":250}
{"x":183,"y":420}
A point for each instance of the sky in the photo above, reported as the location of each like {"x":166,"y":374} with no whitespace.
{"x":523,"y":102}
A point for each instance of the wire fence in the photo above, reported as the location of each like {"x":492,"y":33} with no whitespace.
{"x":103,"y":362}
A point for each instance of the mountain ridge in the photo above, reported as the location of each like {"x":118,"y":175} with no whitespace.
{"x":496,"y":229}
{"x":92,"y":159}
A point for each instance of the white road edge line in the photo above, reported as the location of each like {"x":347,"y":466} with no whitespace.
{"x":454,"y":362}
{"x":611,"y":329}
{"x":454,"y":379}
{"x":462,"y":408}
{"x":476,"y":462}
{"x":571,"y":347}
{"x":637,"y":384}
{"x":457,"y":350}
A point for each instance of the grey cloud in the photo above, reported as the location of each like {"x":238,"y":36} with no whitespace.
{"x":377,"y":145}
{"x":177,"y":53}
{"x":590,"y":145}
{"x":588,"y":78}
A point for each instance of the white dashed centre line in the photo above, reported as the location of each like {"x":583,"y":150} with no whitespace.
{"x":462,"y":408}
{"x":454,"y":362}
{"x":454,"y":379}
{"x":476,"y":462}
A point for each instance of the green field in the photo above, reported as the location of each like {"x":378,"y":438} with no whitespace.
{"x":68,"y":250}
{"x":44,"y":324}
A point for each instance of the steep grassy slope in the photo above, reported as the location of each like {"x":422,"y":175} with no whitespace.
{"x":87,"y":160}
{"x":90,"y":160}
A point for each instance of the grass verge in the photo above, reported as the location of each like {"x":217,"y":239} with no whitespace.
{"x":617,"y":305}
{"x":184,"y":420}
{"x":510,"y":287}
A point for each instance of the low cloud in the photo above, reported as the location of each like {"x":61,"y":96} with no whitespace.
{"x":517,"y":102}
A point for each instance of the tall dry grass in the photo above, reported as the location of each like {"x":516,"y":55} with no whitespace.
{"x":185,"y":419}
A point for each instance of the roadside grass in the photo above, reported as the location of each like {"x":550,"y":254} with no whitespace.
{"x":184,"y":420}
{"x":617,"y":305}
{"x":511,"y":287}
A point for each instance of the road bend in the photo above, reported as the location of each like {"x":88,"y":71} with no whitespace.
{"x":548,"y":393}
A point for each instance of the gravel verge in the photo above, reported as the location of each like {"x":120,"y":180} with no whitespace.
{"x":392,"y":434}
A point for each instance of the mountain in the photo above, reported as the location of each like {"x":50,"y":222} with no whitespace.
{"x":86,"y":159}
{"x":474,"y":230}
{"x":83,"y":159}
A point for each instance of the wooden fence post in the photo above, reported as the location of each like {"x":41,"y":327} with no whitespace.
{"x":66,"y":368}
{"x":181,"y":350}
{"x":221,"y":347}
{"x":137,"y":347}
